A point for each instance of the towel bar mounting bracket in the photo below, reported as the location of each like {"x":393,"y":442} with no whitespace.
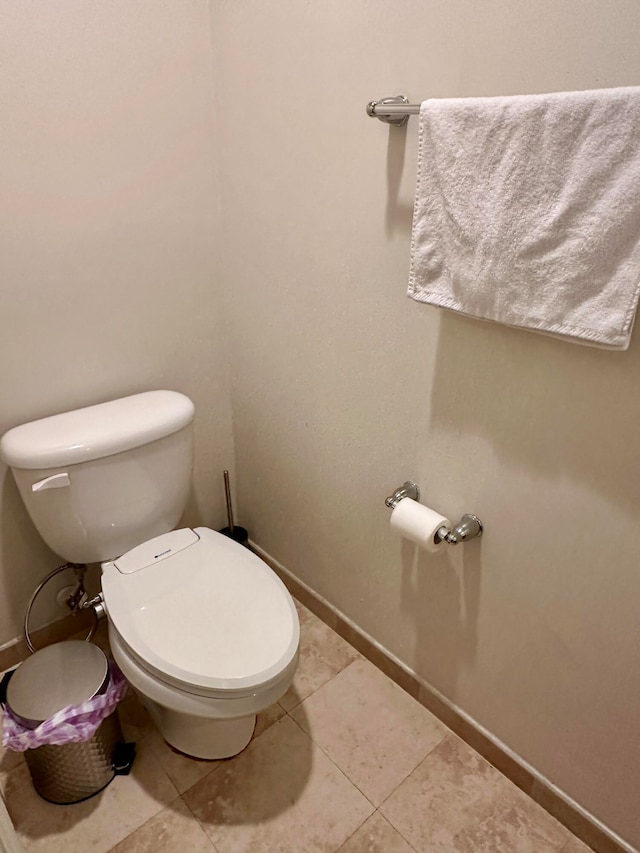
{"x":396,"y":100}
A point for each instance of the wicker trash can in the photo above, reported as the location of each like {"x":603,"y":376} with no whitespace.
{"x":68,"y":674}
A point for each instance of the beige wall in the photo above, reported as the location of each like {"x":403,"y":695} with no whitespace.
{"x":107,"y":215}
{"x":344,"y":387}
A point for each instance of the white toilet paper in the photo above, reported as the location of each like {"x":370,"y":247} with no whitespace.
{"x":419,"y":524}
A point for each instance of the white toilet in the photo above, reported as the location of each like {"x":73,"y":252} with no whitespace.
{"x":205,"y":632}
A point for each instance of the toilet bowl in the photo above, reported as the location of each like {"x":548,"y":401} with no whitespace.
{"x":205,"y":632}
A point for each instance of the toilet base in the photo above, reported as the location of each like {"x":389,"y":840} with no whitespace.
{"x":201,"y":737}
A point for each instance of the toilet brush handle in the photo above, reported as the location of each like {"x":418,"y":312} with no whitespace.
{"x":227,"y":493}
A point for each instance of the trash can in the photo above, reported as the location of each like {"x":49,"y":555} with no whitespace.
{"x":60,"y":709}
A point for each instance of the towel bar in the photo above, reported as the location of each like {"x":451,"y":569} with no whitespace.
{"x":394,"y":110}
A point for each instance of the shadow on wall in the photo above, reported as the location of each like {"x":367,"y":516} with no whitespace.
{"x":544,"y":405}
{"x":441,"y":595}
{"x":561,"y":410}
{"x":544,"y":410}
{"x":193,"y":515}
{"x":398,"y":217}
{"x":544,"y":413}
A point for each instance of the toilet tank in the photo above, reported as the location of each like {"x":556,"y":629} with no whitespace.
{"x":100,"y":480}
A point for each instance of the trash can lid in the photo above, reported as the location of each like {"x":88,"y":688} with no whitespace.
{"x":55,"y":677}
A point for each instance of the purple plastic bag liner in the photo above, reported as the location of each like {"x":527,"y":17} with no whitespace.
{"x":74,"y":724}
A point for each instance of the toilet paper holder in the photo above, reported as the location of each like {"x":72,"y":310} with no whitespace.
{"x":469,"y":526}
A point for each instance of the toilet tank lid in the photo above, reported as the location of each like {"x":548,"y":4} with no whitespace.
{"x":96,"y":431}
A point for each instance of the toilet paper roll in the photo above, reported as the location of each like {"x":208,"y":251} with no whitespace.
{"x":419,"y":524}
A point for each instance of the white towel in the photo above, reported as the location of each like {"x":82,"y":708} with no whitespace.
{"x":527,"y":211}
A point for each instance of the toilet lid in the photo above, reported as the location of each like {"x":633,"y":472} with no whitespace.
{"x":211,"y":614}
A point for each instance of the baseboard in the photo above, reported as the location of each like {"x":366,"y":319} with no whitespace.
{"x":555,"y":801}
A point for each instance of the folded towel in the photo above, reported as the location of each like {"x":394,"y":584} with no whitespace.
{"x":527,"y":211}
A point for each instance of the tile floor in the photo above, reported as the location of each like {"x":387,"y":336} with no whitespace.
{"x":346,"y":761}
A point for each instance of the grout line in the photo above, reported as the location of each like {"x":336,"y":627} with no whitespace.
{"x":309,"y":734}
{"x":394,"y":827}
{"x":338,"y":768}
{"x":194,"y":817}
{"x":357,"y":829}
{"x":316,"y":689}
{"x":446,"y":733}
{"x":340,"y":771}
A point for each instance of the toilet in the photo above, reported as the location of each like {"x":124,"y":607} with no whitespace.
{"x":201,"y":628}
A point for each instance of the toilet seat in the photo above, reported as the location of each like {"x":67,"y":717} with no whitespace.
{"x":208,"y":616}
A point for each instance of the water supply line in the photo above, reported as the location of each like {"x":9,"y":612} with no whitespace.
{"x":76,"y":602}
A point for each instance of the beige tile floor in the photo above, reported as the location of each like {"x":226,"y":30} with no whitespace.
{"x":346,"y":761}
